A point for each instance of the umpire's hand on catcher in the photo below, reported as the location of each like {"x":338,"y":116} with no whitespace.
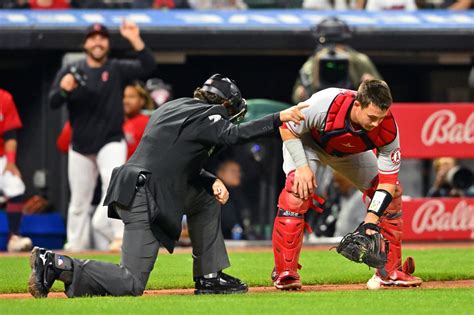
{"x":293,"y":113}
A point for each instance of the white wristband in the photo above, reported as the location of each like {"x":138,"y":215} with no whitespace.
{"x":380,"y":202}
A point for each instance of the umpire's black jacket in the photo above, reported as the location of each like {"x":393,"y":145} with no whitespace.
{"x":178,"y":139}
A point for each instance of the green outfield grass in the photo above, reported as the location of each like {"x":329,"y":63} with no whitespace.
{"x":319,"y":267}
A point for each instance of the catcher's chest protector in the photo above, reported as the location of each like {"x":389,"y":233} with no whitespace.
{"x":338,"y":138}
{"x":287,"y":239}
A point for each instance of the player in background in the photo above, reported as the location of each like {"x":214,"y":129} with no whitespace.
{"x":92,"y":91}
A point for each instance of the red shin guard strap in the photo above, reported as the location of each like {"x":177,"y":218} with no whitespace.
{"x":391,"y":230}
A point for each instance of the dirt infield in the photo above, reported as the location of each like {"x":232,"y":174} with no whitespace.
{"x":307,"y":288}
{"x":238,"y":249}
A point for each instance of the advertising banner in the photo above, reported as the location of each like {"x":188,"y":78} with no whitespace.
{"x":434,"y":130}
{"x":438,"y":219}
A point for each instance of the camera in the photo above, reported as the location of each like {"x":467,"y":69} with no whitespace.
{"x":459,"y":177}
{"x":334,"y":69}
{"x":332,"y":61}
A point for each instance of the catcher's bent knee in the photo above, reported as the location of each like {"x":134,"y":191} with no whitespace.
{"x":288,"y":201}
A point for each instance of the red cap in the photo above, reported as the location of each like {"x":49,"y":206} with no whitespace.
{"x":97,"y":28}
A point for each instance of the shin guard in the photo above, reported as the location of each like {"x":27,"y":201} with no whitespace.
{"x":287,"y":240}
{"x":391,"y":225}
{"x":287,"y":237}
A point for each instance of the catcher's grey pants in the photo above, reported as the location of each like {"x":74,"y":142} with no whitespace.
{"x":140,"y":248}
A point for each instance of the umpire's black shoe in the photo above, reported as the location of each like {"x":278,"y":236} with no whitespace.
{"x":47,"y":267}
{"x":222,"y":284}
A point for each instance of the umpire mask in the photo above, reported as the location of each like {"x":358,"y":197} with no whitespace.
{"x":227,"y":89}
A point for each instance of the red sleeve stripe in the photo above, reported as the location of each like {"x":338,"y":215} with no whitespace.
{"x":388,"y":178}
{"x":288,"y":126}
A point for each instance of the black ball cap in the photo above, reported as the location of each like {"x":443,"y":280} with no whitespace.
{"x":97,"y":28}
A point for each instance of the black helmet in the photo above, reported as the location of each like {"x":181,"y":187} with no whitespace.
{"x":227,"y":89}
{"x":332,"y":30}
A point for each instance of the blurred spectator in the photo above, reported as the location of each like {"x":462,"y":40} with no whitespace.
{"x":329,"y":4}
{"x":87,"y":4}
{"x":217,"y":4}
{"x":451,"y":180}
{"x":159,"y":4}
{"x":49,"y":4}
{"x":445,"y":4}
{"x":470,"y":83}
{"x":334,"y":64}
{"x":135,"y":99}
{"x":381,"y":5}
{"x":11,"y":185}
{"x":273,"y":4}
{"x":160,"y":91}
{"x":15,"y":4}
{"x":236,"y":209}
{"x":92,"y":90}
{"x":145,"y":4}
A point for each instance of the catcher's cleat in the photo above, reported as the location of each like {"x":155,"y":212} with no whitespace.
{"x":222,"y":284}
{"x":286,"y":280}
{"x":37,"y":264}
{"x":396,"y":278}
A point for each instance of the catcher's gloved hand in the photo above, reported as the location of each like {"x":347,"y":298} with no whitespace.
{"x":360,"y":247}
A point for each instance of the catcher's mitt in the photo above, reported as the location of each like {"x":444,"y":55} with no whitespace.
{"x":362,"y":248}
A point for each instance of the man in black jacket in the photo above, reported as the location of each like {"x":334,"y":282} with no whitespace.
{"x":92,"y":91}
{"x":163,"y":180}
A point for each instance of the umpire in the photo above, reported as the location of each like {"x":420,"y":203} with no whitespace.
{"x":163,"y":180}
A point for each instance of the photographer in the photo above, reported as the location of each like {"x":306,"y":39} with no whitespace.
{"x":334,"y":64}
{"x":92,"y":90}
{"x":451,"y":180}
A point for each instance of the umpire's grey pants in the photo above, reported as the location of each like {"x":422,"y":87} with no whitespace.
{"x":140,"y":248}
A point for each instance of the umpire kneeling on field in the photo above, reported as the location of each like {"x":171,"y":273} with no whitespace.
{"x":163,"y":180}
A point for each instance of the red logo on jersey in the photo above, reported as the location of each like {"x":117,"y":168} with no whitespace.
{"x":105,"y":76}
{"x":395,"y":156}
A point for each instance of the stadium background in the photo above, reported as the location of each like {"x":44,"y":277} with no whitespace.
{"x":424,"y":56}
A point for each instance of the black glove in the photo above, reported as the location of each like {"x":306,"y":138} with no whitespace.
{"x":362,"y":248}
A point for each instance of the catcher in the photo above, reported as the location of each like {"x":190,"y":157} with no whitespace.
{"x":356,"y":134}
